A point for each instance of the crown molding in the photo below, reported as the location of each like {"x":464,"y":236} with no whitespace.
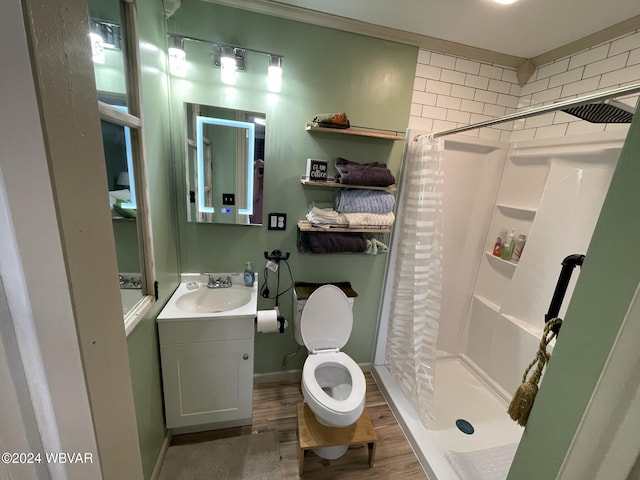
{"x":605,"y":35}
{"x":525,"y":66}
{"x":289,"y":12}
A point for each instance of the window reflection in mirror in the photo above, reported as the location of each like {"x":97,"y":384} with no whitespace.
{"x":117,"y":153}
{"x":117,"y":76}
{"x":107,"y":46}
{"x":224,"y":164}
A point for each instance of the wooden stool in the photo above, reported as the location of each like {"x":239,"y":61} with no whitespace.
{"x":311,"y":434}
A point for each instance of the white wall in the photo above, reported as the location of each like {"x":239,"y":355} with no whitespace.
{"x":602,"y":67}
{"x":451,"y":92}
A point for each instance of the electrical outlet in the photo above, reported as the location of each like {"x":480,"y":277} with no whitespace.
{"x":277,"y":221}
{"x":228,"y":198}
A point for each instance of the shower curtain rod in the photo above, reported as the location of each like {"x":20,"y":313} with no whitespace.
{"x":573,"y":102}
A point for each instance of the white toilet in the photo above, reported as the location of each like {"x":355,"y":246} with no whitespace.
{"x":333,"y":384}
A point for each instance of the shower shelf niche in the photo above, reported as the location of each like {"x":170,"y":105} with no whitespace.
{"x":517,"y":209}
{"x":488,"y":303}
{"x":501,"y":260}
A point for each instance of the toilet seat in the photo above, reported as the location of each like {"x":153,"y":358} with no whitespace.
{"x":341,"y":360}
{"x":326,"y":320}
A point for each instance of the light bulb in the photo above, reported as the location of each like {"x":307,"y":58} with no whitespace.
{"x":228,"y":70}
{"x":274,"y":75}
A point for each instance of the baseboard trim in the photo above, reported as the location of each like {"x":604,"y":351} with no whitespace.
{"x":292,"y":375}
{"x":155,"y":473}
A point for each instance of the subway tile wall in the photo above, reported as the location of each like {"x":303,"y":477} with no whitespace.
{"x":451,"y":92}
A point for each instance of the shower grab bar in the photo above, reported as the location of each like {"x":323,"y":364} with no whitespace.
{"x":568,"y":264}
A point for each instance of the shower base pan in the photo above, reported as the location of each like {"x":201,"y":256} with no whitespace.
{"x":462,"y":397}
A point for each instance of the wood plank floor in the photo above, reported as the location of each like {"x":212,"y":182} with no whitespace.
{"x":274,"y":409}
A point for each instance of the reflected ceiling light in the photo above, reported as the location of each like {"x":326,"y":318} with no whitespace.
{"x":177,"y":57}
{"x":274,"y":75}
{"x":505,"y":2}
{"x":103,"y":35}
{"x":97,"y":48}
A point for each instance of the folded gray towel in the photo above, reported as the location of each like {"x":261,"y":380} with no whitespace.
{"x":364,"y":201}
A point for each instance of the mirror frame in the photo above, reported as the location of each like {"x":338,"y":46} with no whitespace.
{"x":200,"y":147}
{"x":132,"y":120}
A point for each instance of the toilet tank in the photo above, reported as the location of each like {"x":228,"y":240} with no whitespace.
{"x":301,"y":293}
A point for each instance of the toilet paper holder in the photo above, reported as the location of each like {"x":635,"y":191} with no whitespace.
{"x":282,"y":322}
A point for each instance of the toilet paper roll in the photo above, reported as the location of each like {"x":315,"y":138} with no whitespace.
{"x":267,"y":321}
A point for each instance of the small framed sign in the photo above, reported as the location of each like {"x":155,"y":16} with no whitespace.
{"x":317,"y":169}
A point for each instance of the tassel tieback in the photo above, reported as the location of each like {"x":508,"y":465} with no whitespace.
{"x":523,"y":399}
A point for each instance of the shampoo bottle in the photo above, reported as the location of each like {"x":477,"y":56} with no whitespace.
{"x":507,"y":247}
{"x":249,"y":276}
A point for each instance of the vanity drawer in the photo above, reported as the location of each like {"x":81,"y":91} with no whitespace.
{"x":205,"y":330}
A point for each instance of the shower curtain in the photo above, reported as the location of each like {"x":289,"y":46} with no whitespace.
{"x":414,"y":312}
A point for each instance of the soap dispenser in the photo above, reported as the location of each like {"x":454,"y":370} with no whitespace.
{"x":249,"y":276}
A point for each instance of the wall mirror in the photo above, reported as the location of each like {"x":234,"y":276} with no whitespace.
{"x":116,"y":64}
{"x":116,"y":141}
{"x":107,"y":47}
{"x":224,"y":164}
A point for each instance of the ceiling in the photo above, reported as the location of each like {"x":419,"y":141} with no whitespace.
{"x":527,"y":28}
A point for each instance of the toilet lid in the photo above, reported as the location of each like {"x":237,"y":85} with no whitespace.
{"x":326,"y":319}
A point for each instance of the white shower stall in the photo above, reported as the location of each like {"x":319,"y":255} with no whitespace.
{"x":492,"y":310}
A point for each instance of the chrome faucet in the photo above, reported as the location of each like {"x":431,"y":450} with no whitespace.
{"x":219,"y":282}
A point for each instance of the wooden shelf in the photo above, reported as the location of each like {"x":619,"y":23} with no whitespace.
{"x":331,"y":184}
{"x":359,"y":131}
{"x":305,"y":226}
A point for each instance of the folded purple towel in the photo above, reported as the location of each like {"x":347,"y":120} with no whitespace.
{"x":329,"y":242}
{"x":370,"y":174}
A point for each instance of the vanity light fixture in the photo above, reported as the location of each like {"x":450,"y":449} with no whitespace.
{"x":177,"y":57}
{"x":505,"y":2}
{"x":230,"y":58}
{"x":274,"y":75}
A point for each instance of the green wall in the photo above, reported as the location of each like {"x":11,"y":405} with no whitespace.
{"x":324,"y":71}
{"x":144,"y":356}
{"x":600,"y":301}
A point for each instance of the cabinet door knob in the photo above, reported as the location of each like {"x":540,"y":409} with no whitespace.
{"x":245,"y":356}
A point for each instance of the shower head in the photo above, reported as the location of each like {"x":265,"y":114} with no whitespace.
{"x":609,"y":111}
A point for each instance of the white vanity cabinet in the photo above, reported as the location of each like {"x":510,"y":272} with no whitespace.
{"x":207,"y":372}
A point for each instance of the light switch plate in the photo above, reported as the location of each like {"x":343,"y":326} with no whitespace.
{"x":277,"y":221}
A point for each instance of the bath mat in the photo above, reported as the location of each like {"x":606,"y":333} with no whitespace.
{"x":487,"y":464}
{"x":247,"y":457}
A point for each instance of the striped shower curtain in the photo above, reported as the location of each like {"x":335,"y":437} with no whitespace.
{"x":414,"y":312}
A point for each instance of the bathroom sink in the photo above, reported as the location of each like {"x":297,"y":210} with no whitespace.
{"x":214,"y":300}
{"x":193,"y":299}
